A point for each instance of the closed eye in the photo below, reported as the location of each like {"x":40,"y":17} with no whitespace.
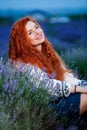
{"x":36,"y":26}
{"x":30,"y":33}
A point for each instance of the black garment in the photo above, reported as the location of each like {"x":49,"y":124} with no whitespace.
{"x":67,"y":106}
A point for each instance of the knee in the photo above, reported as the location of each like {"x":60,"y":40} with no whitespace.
{"x":83,"y":103}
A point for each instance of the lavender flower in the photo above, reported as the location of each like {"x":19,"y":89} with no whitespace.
{"x":1,"y":70}
{"x":6,"y":78}
{"x":13,"y":89}
{"x":5,"y":87}
{"x":21,"y":91}
{"x":14,"y":117}
{"x":72,"y":127}
{"x":33,"y":88}
{"x":1,"y":103}
{"x":20,"y":69}
{"x":21,"y":100}
{"x":52,"y":76}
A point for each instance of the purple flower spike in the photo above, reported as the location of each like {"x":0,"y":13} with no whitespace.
{"x":1,"y":103}
{"x":72,"y":127}
{"x":21,"y":100}
{"x":21,"y":91}
{"x":13,"y":89}
{"x":14,"y":117}
{"x":52,"y":76}
{"x":1,"y":70}
{"x":11,"y":83}
{"x":20,"y":69}
{"x":33,"y":88}
{"x":6,"y":78}
{"x":5,"y":86}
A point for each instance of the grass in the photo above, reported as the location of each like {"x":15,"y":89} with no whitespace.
{"x":77,"y":61}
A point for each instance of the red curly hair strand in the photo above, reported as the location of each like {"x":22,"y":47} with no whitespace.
{"x":21,"y":50}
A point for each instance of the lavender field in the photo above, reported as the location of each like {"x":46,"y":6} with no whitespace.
{"x":70,"y":41}
{"x":67,"y":35}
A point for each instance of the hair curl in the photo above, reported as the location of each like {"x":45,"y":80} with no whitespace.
{"x":21,"y":50}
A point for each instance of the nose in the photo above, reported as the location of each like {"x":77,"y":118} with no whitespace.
{"x":36,"y":31}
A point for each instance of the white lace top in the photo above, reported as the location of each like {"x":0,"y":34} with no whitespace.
{"x":68,"y":77}
{"x":55,"y":87}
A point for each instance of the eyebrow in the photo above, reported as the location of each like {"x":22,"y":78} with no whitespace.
{"x":29,"y":30}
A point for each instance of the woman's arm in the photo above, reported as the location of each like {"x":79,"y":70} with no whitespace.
{"x":41,"y":79}
{"x":79,"y":89}
{"x":55,"y":87}
{"x":77,"y":84}
{"x":69,"y":77}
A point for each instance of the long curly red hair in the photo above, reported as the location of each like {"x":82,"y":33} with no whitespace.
{"x":22,"y":51}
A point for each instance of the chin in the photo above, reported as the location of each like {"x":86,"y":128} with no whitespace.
{"x":42,"y":40}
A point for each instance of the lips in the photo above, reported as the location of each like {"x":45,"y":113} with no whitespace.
{"x":39,"y":36}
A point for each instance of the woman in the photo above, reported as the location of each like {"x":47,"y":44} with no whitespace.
{"x":29,"y":45}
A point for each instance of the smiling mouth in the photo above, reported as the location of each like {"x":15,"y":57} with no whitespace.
{"x":39,"y":37}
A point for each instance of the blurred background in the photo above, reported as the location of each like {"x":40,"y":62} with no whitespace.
{"x":64,"y":23}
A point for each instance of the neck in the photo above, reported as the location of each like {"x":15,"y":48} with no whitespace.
{"x":38,"y":47}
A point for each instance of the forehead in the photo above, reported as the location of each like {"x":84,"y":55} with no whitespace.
{"x":29,"y":25}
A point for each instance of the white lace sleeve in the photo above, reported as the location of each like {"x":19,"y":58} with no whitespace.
{"x":69,"y":77}
{"x":41,"y":79}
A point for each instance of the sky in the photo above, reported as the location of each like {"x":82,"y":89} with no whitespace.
{"x":42,"y":4}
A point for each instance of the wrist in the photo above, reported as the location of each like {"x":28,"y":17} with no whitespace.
{"x":75,"y":89}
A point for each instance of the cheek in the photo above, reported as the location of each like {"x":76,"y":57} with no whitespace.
{"x":33,"y":41}
{"x":31,"y":37}
{"x":43,"y":32}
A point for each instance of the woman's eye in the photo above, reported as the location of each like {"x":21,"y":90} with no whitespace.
{"x":36,"y":27}
{"x":30,"y":33}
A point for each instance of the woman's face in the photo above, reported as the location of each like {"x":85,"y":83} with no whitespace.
{"x":35,"y":33}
